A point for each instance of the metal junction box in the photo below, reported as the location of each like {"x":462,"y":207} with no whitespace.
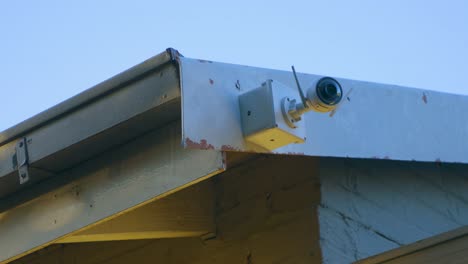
{"x":262,"y":118}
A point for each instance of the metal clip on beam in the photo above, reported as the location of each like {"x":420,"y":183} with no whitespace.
{"x":22,"y":160}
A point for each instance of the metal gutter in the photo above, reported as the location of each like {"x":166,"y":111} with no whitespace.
{"x":87,"y":96}
{"x":107,"y":115}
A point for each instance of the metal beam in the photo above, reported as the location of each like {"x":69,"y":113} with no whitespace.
{"x":141,"y":171}
{"x":376,"y":121}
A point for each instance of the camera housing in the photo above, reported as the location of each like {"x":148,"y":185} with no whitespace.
{"x":326,"y":95}
{"x":323,"y":97}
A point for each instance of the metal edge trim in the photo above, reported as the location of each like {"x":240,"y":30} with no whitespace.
{"x":170,"y":55}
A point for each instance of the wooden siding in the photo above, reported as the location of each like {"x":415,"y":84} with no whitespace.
{"x":265,"y":213}
{"x":372,"y":206}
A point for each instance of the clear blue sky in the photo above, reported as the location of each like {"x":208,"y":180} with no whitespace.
{"x":52,"y":50}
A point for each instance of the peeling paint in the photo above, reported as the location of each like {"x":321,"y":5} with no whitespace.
{"x":203,"y":144}
{"x":229,"y":148}
{"x":211,"y":81}
{"x":424,"y":98}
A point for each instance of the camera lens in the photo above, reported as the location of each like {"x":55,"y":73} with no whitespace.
{"x":329,"y":91}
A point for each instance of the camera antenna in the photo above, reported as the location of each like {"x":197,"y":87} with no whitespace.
{"x":303,"y":98}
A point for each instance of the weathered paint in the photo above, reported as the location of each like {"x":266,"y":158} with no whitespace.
{"x":228,"y":148}
{"x":368,"y":207}
{"x":373,"y":120}
{"x":198,"y":145}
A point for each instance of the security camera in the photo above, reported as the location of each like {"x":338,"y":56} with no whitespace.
{"x":323,"y":97}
